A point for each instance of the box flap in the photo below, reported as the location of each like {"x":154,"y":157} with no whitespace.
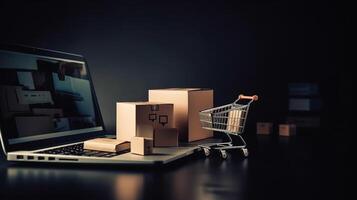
{"x":182,"y":89}
{"x":143,"y":103}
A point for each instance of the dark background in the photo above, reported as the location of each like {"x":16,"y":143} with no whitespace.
{"x":233,"y":47}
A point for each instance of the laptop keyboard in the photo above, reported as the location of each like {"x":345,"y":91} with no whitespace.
{"x":77,"y":150}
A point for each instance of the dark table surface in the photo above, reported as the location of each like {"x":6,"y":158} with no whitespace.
{"x":303,"y":167}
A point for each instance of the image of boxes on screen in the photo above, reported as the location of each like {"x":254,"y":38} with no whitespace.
{"x":264,"y":128}
{"x":188,"y":102}
{"x":33,"y":125}
{"x":166,"y":137}
{"x":9,"y":103}
{"x":141,"y":118}
{"x":34,"y":97}
{"x":287,"y":129}
{"x":141,"y":145}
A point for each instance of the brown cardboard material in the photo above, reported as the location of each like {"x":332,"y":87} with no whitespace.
{"x":140,"y":118}
{"x":188,"y":102}
{"x":107,"y":145}
{"x":264,"y":128}
{"x":234,"y":122}
{"x":141,"y":146}
{"x":287,"y":129}
{"x":34,"y":125}
{"x":166,"y":137}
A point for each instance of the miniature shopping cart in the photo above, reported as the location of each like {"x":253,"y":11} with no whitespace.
{"x":229,"y":119}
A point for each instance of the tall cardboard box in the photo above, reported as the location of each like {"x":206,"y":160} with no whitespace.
{"x":188,"y":102}
{"x":139,"y":119}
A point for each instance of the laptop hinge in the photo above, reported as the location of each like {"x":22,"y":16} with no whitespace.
{"x":2,"y":144}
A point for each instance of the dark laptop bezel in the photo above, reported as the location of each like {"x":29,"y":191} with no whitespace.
{"x":59,"y":140}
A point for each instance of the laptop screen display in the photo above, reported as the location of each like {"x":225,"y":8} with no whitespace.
{"x":43,"y":97}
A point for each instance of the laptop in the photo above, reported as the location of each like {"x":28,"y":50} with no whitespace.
{"x":48,"y":108}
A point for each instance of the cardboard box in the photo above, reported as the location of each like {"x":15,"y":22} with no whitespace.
{"x":264,"y":128}
{"x":234,"y":122}
{"x":140,"y":119}
{"x":188,"y":102}
{"x":107,"y":145}
{"x":166,"y":137}
{"x":141,"y":146}
{"x":287,"y":129}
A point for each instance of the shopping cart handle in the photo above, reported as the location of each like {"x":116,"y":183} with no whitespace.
{"x":254,"y":97}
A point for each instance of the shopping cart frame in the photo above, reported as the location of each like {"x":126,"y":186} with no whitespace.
{"x":229,"y":119}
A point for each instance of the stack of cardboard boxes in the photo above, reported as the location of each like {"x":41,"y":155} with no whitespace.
{"x":170,"y":117}
{"x":304,"y":106}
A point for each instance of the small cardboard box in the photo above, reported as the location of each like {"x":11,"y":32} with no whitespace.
{"x":188,"y":102}
{"x":264,"y":128}
{"x":106,"y":144}
{"x":287,"y":129}
{"x":140,"y":118}
{"x":141,"y":146}
{"x":166,"y":137}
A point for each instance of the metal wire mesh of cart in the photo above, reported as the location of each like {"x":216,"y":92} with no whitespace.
{"x":230,"y":118}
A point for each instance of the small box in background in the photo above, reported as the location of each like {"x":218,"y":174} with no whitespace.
{"x":304,"y":104}
{"x":287,"y":129}
{"x":264,"y":128}
{"x":166,"y":137}
{"x":141,"y":146}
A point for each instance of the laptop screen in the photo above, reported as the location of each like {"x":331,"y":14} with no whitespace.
{"x":43,"y":97}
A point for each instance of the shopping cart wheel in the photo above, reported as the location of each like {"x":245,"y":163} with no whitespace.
{"x":207,"y":152}
{"x":224,"y":154}
{"x":245,"y":152}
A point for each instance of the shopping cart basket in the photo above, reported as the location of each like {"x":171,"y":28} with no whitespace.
{"x":229,"y":119}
